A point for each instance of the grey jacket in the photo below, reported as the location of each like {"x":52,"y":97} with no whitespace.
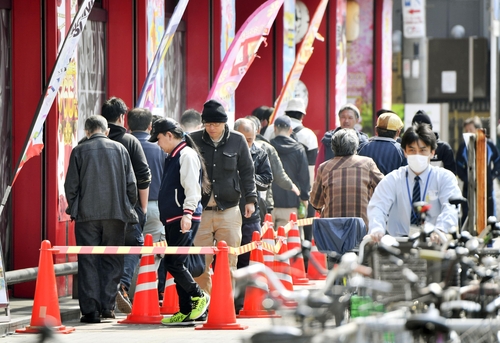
{"x":100,"y":182}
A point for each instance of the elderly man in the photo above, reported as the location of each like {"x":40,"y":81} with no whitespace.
{"x":96,"y":222}
{"x":231,"y":173}
{"x":384,"y":149}
{"x":345,"y":183}
{"x":348,"y":117}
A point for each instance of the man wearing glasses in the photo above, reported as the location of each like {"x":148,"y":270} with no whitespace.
{"x":231,"y":173}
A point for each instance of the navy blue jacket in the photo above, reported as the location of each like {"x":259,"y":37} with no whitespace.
{"x":171,"y":197}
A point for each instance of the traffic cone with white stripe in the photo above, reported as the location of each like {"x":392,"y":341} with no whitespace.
{"x":170,"y":303}
{"x":282,"y":268}
{"x":298,"y":269}
{"x":312,"y":272}
{"x":146,"y":308}
{"x":45,"y":315}
{"x":268,"y":247}
{"x":257,"y":292}
{"x":268,"y":223}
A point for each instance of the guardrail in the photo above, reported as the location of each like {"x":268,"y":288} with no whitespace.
{"x":29,"y":274}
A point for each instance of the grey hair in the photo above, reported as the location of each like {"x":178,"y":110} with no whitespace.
{"x":96,"y":122}
{"x":345,"y":142}
{"x":246,"y":124}
{"x":351,"y":107}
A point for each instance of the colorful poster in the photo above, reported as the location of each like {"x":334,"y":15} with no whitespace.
{"x":156,"y":26}
{"x":387,"y":54}
{"x":242,"y":52}
{"x":305,"y":52}
{"x":341,"y":63}
{"x":146,"y":98}
{"x":360,"y":66}
{"x":34,"y":141}
{"x":288,"y":37}
{"x":67,"y":109}
{"x":228,"y":24}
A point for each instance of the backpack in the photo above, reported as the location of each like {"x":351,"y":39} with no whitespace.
{"x":295,"y":131}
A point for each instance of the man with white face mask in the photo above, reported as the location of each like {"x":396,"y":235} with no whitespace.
{"x":390,"y":209}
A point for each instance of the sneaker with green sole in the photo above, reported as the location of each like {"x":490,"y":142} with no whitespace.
{"x":200,"y":305}
{"x":178,"y":319}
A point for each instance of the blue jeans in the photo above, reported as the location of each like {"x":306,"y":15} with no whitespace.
{"x":133,"y":237}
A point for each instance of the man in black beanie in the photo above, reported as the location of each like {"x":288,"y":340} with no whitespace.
{"x":444,"y":156}
{"x":231,"y":173}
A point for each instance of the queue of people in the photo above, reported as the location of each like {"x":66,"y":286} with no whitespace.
{"x":200,"y":181}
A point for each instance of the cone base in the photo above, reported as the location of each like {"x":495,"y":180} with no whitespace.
{"x":317,"y":277}
{"x":229,"y":326}
{"x":303,"y":282}
{"x":139,"y":319}
{"x":169,"y":310}
{"x":36,"y":329}
{"x":257,"y":314}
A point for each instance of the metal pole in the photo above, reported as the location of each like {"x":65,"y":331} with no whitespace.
{"x":494,"y":31}
{"x":29,"y":274}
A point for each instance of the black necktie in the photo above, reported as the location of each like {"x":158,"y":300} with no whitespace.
{"x":415,"y":198}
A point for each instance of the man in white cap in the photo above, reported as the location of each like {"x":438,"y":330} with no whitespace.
{"x":383,"y":148}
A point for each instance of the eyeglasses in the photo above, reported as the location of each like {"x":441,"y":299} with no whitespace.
{"x":212,"y":124}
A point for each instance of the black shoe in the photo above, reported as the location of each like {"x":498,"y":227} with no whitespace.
{"x":108,"y":314}
{"x":91,"y":318}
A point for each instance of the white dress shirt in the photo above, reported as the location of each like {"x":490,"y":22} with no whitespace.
{"x":390,"y":207}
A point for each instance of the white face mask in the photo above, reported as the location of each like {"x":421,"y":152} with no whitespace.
{"x":418,"y":163}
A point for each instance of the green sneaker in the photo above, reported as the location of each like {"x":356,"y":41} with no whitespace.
{"x":200,"y":305}
{"x":178,"y":319}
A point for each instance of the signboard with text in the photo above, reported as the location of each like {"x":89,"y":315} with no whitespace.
{"x":414,"y":18}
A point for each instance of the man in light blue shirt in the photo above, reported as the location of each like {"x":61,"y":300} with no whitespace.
{"x":390,"y":209}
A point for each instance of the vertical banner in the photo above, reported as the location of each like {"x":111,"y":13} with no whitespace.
{"x":305,"y":52}
{"x":387,"y":54}
{"x":288,"y":37}
{"x":360,"y":65}
{"x":341,"y":63}
{"x":146,"y":97}
{"x":228,"y":24}
{"x":34,"y":142}
{"x":67,"y":110}
{"x":156,"y":26}
{"x":242,"y":52}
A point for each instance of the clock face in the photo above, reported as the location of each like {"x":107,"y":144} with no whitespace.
{"x":301,"y":21}
{"x":301,"y":92}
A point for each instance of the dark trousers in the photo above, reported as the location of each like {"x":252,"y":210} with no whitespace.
{"x":176,"y":264}
{"x":247,"y":230}
{"x":98,"y":275}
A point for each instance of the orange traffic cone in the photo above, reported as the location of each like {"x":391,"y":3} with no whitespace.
{"x":282,"y":268}
{"x":45,"y":311}
{"x":221,"y":315}
{"x":298,"y":270}
{"x":268,"y":223}
{"x":268,"y":237}
{"x":312,"y":272}
{"x":170,"y":303}
{"x":146,"y":308}
{"x":255,"y":294}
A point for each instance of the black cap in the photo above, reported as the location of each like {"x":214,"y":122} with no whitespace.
{"x":213,"y":112}
{"x":421,"y":118}
{"x":161,"y":126}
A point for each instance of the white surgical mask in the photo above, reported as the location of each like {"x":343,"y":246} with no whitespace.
{"x":418,"y":163}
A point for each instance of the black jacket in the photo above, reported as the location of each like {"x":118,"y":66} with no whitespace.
{"x":294,"y":159}
{"x":227,"y":164}
{"x":263,"y":179}
{"x":137,"y":156}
